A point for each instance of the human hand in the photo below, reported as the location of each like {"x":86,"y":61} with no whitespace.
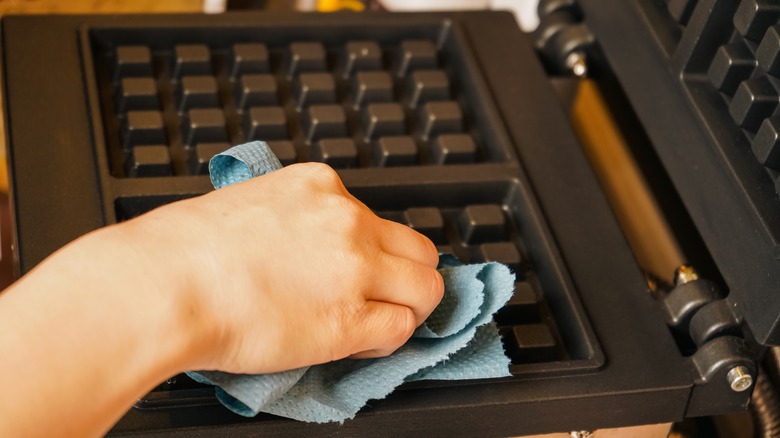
{"x":288,"y":270}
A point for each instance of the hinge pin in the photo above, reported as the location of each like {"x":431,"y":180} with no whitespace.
{"x":684,"y":274}
{"x":739,"y":378}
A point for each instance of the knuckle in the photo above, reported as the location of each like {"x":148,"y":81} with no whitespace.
{"x":341,"y":217}
{"x":312,"y":177}
{"x":351,"y":216}
{"x":340,"y":202}
{"x":322,"y":174}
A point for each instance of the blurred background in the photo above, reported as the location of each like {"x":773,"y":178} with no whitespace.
{"x":524,"y":9}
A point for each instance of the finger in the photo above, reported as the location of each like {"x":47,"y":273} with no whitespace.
{"x":371,"y":354}
{"x":384,"y":327}
{"x":407,"y":283}
{"x":402,"y":241}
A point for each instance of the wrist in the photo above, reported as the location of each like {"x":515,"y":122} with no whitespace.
{"x":104,"y":310}
{"x":165,"y":290}
{"x":174,"y":278}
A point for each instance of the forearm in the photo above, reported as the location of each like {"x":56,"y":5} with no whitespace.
{"x":87,"y":333}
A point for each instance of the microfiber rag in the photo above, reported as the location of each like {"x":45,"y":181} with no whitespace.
{"x":458,"y":341}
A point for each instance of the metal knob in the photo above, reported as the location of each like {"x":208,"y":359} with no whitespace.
{"x":739,"y":378}
{"x":576,"y":63}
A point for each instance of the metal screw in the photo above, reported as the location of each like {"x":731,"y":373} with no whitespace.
{"x":576,"y":63}
{"x":739,"y":378}
{"x":685,"y":274}
{"x":581,"y":434}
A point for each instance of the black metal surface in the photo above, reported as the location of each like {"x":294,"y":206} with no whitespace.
{"x":613,"y":360}
{"x":702,"y":98}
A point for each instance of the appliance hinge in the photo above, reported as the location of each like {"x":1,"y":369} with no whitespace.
{"x":724,"y":362}
{"x":562,"y":38}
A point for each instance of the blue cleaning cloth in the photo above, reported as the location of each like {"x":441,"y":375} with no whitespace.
{"x":458,"y":341}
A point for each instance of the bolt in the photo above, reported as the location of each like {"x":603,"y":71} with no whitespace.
{"x":576,"y":63}
{"x":685,"y":274}
{"x":739,"y":378}
{"x":581,"y":434}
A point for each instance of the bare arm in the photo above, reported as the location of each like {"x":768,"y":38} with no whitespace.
{"x":279,"y":272}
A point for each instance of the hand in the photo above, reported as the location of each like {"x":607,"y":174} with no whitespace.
{"x":279,"y":272}
{"x":289,"y":270}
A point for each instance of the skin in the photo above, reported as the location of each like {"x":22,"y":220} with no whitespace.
{"x":282,"y":271}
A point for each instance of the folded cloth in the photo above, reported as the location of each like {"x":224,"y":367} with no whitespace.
{"x":458,"y":341}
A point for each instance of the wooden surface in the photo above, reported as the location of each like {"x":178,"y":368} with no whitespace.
{"x":645,"y":227}
{"x":97,"y":6}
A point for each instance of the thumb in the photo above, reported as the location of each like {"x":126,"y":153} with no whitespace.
{"x":384,"y":327}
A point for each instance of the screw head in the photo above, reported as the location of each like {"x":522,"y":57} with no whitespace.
{"x":739,"y":378}
{"x":575,"y":62}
